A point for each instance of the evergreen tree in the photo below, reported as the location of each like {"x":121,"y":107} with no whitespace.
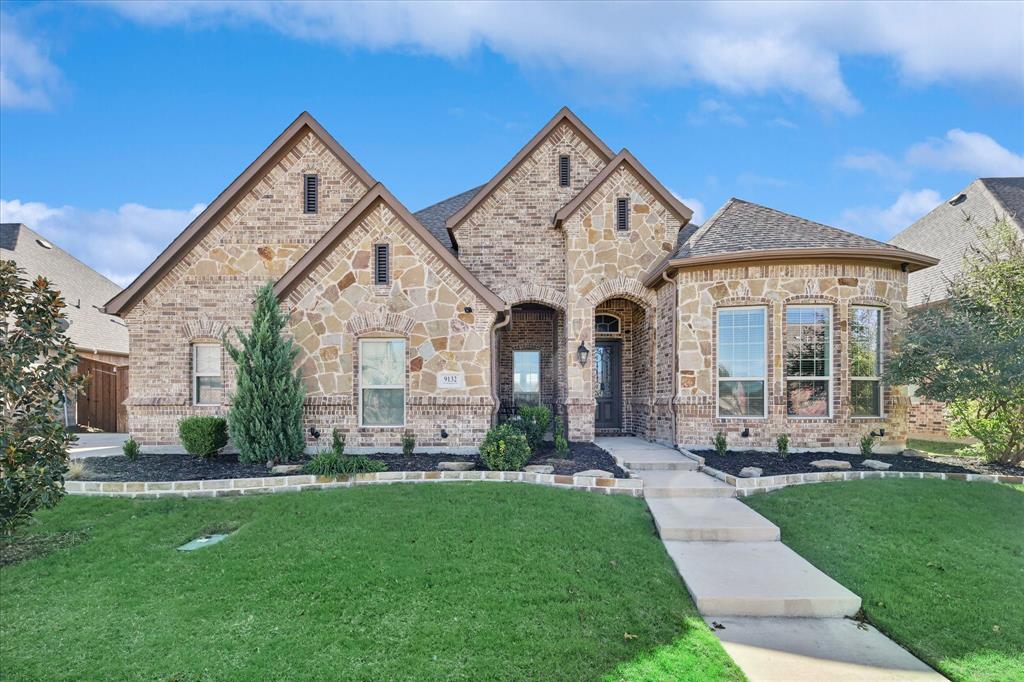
{"x":265,"y":420}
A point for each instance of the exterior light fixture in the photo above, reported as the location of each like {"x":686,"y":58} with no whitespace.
{"x":582,"y":353}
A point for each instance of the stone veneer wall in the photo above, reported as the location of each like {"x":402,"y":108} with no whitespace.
{"x":838,"y":285}
{"x":211,"y":289}
{"x":604,"y":263}
{"x":338,"y":303}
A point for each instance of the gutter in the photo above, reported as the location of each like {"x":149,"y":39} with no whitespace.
{"x":675,"y":350}
{"x":494,"y":361}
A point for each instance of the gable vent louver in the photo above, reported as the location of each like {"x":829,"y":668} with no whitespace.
{"x":381,"y":264}
{"x":622,"y":214}
{"x":311,"y":186}
{"x":563,"y":170}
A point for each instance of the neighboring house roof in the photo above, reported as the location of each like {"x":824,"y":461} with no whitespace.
{"x":564,"y":114}
{"x":122,"y":303}
{"x":950,"y":229}
{"x":682,"y":211}
{"x":432,"y":217}
{"x":84,"y":290}
{"x":351,"y":220}
{"x":744,"y":231}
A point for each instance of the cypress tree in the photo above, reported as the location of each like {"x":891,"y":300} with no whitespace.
{"x":265,"y":419}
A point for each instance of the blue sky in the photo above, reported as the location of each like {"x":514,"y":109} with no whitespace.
{"x":120,"y":121}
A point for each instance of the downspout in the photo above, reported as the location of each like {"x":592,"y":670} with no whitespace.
{"x":675,"y":352}
{"x":494,"y":362}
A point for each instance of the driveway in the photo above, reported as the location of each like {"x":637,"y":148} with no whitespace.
{"x":98,"y":445}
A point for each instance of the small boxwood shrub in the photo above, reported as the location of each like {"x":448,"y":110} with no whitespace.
{"x":337,"y":442}
{"x":561,"y":442}
{"x":408,"y":444}
{"x":203,"y":436}
{"x":721,"y":445}
{"x":505,"y":448}
{"x":867,"y":444}
{"x":130,"y":448}
{"x":782,"y":443}
{"x":330,"y":463}
{"x":534,"y":421}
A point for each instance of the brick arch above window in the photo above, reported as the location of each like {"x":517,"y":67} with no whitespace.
{"x":534,"y":293}
{"x":203,"y":329}
{"x":380,"y":321}
{"x":810,"y":299}
{"x":620,"y":287}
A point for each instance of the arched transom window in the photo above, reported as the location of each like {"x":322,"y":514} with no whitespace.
{"x":606,"y":324}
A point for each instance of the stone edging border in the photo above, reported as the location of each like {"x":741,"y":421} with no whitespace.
{"x":226,"y":487}
{"x":765,"y":484}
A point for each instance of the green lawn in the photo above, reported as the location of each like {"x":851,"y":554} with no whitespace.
{"x":937,"y":447}
{"x":471,"y":581}
{"x":939,"y":564}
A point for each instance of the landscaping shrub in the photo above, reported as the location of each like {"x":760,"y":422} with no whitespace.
{"x":203,"y":436}
{"x":130,"y":448}
{"x":721,"y":445}
{"x":534,"y":421}
{"x":330,"y":463}
{"x":782,"y":443}
{"x":337,"y":442}
{"x":266,"y":407}
{"x":76,"y":470}
{"x":408,"y":444}
{"x":867,"y":444}
{"x":36,"y":372}
{"x":505,"y":448}
{"x":561,"y":442}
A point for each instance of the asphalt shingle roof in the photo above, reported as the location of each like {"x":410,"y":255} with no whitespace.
{"x":949,"y":230}
{"x":433,"y":217}
{"x":743,"y":226}
{"x":84,"y":290}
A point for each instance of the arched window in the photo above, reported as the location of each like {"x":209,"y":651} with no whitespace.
{"x":607,"y":324}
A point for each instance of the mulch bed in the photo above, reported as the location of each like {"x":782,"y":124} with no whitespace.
{"x":800,"y":463}
{"x":180,"y":467}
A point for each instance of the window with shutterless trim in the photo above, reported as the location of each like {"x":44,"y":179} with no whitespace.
{"x":382,"y":382}
{"x":742,"y":361}
{"x":808,"y":361}
{"x":606,"y":323}
{"x":866,"y":361}
{"x":622,"y":214}
{"x":526,"y":377}
{"x":311,"y":193}
{"x":207,"y":383}
{"x":563,"y":170}
{"x":381,"y":264}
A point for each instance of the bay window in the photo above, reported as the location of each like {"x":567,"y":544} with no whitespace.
{"x":808,"y":361}
{"x":742,"y":361}
{"x":866,"y":361}
{"x":382,"y":382}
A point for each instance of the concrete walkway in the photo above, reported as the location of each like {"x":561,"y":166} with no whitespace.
{"x":778,"y":616}
{"x":97,"y":445}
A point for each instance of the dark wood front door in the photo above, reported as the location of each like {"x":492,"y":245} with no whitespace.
{"x":608,"y":384}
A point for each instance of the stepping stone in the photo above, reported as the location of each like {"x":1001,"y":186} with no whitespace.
{"x":762,"y":579}
{"x":595,"y":473}
{"x":876,"y":465}
{"x":286,"y":469}
{"x":912,"y":453}
{"x":750,"y":472}
{"x":830,"y":464}
{"x":683,"y":484}
{"x":540,"y":469}
{"x":710,"y":520}
{"x":455,"y":466}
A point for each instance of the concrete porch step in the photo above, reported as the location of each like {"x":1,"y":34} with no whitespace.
{"x":655,"y":463}
{"x":662,"y":483}
{"x":761,"y":579}
{"x":710,"y":519}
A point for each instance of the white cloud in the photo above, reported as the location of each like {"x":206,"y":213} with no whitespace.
{"x":117,"y":243}
{"x":739,"y":48}
{"x":883,"y":223}
{"x":713,"y":109}
{"x":28,"y":80}
{"x":699,"y":215}
{"x":878,"y":163}
{"x":975,"y":153}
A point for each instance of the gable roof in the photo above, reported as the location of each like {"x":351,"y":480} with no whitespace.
{"x":352,"y":218}
{"x":744,"y":231}
{"x":682,"y":211}
{"x":84,"y":290}
{"x":123,"y":302}
{"x":949,"y":230}
{"x":564,"y":114}
{"x":432,"y":217}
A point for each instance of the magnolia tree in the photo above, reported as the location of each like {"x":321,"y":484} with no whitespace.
{"x":265,"y":419}
{"x":37,"y":369}
{"x":968,"y":351}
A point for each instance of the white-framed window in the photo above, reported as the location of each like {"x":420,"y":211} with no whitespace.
{"x":207,"y":383}
{"x":866,"y":361}
{"x":382,"y":382}
{"x":526,"y":377}
{"x":742,"y":361}
{"x":808,"y":361}
{"x":606,"y":323}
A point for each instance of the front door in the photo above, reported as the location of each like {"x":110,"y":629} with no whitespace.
{"x":608,"y":384}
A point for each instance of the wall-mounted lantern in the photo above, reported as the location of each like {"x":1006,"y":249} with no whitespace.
{"x":582,"y":353}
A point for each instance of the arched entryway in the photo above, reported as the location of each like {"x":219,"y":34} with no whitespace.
{"x":530,"y":359}
{"x":622,"y":380}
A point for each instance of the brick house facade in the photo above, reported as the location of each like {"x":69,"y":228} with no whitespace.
{"x":572,"y":278}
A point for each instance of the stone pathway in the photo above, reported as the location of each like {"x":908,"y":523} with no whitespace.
{"x":782,"y":618}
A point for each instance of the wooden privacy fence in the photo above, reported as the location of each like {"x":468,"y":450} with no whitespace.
{"x":100,"y":403}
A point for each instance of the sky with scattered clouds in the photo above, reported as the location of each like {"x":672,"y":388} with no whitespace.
{"x":119,"y":121}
